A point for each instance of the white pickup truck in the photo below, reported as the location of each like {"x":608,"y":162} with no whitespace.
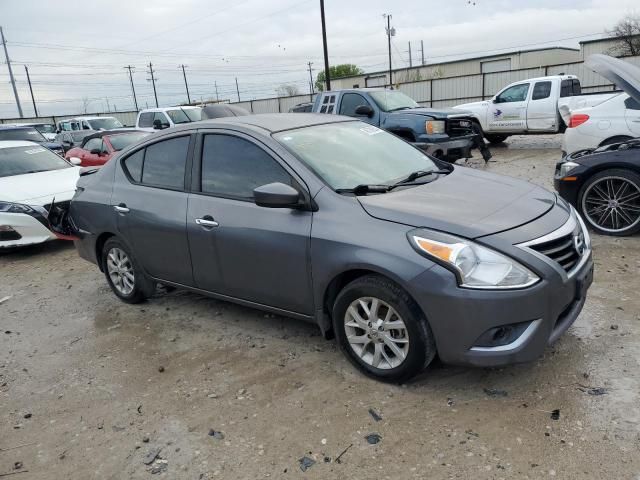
{"x":533,"y":106}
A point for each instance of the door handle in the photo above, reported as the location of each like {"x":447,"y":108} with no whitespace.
{"x":207,"y":222}
{"x":122,"y":208}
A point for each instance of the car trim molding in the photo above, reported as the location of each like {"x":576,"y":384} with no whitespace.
{"x":523,"y":338}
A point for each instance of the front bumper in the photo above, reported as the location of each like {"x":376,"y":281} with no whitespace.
{"x":447,"y":148}
{"x":21,"y":229}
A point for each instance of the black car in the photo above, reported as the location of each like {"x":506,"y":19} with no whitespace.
{"x":603,"y":184}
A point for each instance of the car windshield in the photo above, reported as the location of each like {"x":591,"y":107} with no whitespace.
{"x":46,"y":128}
{"x":118,"y":142}
{"x":389,"y":100}
{"x":185,"y":115}
{"x":104,"y":123}
{"x":348,"y":154}
{"x":29,"y":133}
{"x":29,"y":159}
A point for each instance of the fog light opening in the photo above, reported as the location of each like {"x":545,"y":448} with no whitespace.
{"x":502,"y":335}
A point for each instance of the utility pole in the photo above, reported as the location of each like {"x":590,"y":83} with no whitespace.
{"x":153,"y":82}
{"x":35,"y":110}
{"x":133,"y":90}
{"x":108,"y":107}
{"x":390,"y":33}
{"x":237,"y":89}
{"x":186,"y":85}
{"x":310,"y":78}
{"x":422,"y":48}
{"x":217,"y":97}
{"x":410,"y":61}
{"x":13,"y":80}
{"x":327,"y":75}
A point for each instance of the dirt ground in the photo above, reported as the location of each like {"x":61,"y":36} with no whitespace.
{"x":92,"y":388}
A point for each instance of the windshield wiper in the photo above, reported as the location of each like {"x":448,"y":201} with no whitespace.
{"x":363,"y":189}
{"x":400,"y":108}
{"x":420,"y":173}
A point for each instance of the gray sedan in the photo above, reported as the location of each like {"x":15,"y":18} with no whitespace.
{"x":334,"y":221}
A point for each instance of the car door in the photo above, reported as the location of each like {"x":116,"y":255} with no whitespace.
{"x":239,"y":249}
{"x":542,"y":108}
{"x":508,"y":110}
{"x":150,"y":199}
{"x":348,"y":104}
{"x":632,"y":115}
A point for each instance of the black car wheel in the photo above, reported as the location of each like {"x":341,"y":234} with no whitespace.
{"x":610,"y":202}
{"x":495,"y":139}
{"x":125,"y":277}
{"x":382,"y":330}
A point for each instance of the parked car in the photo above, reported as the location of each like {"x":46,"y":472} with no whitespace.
{"x":534,"y":106}
{"x":48,"y":130}
{"x":68,"y":140}
{"x":88,"y":123}
{"x":443,"y":133}
{"x":152,"y":119}
{"x":31,"y":177}
{"x":615,"y":119}
{"x":410,"y":255}
{"x":96,"y":149}
{"x":302,"y":108}
{"x":29,"y":134}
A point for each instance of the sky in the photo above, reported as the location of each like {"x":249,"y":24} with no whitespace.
{"x":76,"y":50}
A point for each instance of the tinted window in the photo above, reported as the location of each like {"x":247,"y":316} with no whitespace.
{"x":233,"y":167}
{"x":541,"y":90}
{"x":577,"y":89}
{"x":93,"y":143}
{"x":164,"y":163}
{"x":570,"y":87}
{"x":106,"y":123}
{"x":632,"y":104}
{"x":517,"y":93}
{"x":118,"y":142}
{"x":146,"y":120}
{"x":31,"y":159}
{"x":133,"y":165}
{"x":162,"y":117}
{"x":349,"y":103}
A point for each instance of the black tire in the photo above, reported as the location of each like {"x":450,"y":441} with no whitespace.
{"x":421,"y":345}
{"x":613,"y":140}
{"x":619,"y":175}
{"x":142,"y":287}
{"x":495,"y":139}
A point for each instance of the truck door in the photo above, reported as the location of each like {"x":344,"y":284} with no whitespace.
{"x":508,"y":110}
{"x":632,"y":115}
{"x":542,"y":108}
{"x":350,"y":101}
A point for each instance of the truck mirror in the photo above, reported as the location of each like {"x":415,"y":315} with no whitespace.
{"x":364,"y":110}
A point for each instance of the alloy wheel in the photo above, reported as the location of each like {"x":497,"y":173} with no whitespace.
{"x":376,"y":333}
{"x":612,"y":204}
{"x":120,"y":270}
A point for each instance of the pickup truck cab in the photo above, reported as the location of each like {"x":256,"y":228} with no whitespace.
{"x":88,"y":123}
{"x":536,"y":105}
{"x":444,"y":133}
{"x":152,"y":119}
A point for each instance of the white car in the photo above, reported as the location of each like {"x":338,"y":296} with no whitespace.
{"x":152,"y":119}
{"x":613,"y":120}
{"x":31,"y":177}
{"x":89,"y":123}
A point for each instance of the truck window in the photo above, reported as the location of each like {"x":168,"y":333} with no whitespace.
{"x":577,"y":89}
{"x":146,"y":120}
{"x":541,"y":90}
{"x":328,"y":104}
{"x":349,"y":103}
{"x":632,"y":104}
{"x":517,"y":93}
{"x":570,"y":87}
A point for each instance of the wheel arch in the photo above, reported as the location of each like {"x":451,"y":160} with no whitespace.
{"x":615,"y":139}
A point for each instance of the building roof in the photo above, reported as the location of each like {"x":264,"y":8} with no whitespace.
{"x":604,"y":39}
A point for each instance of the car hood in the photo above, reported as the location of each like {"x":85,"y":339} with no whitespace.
{"x":470,"y":106}
{"x":39,"y":188}
{"x":52,"y":145}
{"x":466,"y":202}
{"x":436,"y":113}
{"x":625,"y":75}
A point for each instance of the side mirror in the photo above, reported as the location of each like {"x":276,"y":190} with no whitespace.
{"x":364,"y":110}
{"x":494,"y":100}
{"x":95,"y":151}
{"x":75,"y":161}
{"x":276,"y":195}
{"x":158,"y":125}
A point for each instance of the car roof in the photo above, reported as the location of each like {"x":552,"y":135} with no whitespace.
{"x":16,"y":143}
{"x":273,"y":122}
{"x":164,"y":109}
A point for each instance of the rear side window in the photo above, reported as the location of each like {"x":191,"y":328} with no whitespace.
{"x":632,"y":104}
{"x":133,"y":165}
{"x":541,"y":90}
{"x":146,"y":120}
{"x":233,"y":167}
{"x":164,"y":163}
{"x":570,"y":87}
{"x":328,"y":104}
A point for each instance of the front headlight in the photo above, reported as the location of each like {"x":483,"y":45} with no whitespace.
{"x":8,"y":207}
{"x":434,"y":126}
{"x":566,"y":167}
{"x":476,"y":266}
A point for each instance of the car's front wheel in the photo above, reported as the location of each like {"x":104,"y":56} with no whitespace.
{"x":382,"y":330}
{"x":125,"y":277}
{"x":495,"y":139}
{"x":610,"y":202}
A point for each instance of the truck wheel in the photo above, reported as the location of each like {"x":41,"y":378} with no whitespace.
{"x":495,"y":139}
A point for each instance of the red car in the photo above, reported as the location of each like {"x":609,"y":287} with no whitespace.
{"x":97,"y":149}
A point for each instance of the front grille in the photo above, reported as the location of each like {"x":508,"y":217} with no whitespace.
{"x":561,"y":250}
{"x":458,"y":127}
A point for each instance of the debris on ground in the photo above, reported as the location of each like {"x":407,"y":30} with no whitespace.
{"x":151,"y":456}
{"x":145,"y":439}
{"x":373,"y":438}
{"x":595,"y":391}
{"x":4,"y":299}
{"x":472,"y":433}
{"x":555,"y":414}
{"x":17,"y":465}
{"x":450,"y":402}
{"x":212,"y":395}
{"x":494,"y":392}
{"x":613,"y":327}
{"x":306,"y":463}
{"x":338,"y":458}
{"x":27,"y":415}
{"x":159,"y":466}
{"x":375,"y":415}
{"x":216,"y":434}
{"x":161,"y":369}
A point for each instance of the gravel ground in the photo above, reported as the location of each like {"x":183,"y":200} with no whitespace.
{"x":94,"y":388}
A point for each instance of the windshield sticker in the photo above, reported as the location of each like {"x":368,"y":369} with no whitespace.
{"x":371,"y":130}
{"x":34,"y":150}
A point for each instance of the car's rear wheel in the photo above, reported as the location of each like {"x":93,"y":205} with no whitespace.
{"x":495,"y":139}
{"x":382,"y":330}
{"x":125,"y":277}
{"x":610,"y":202}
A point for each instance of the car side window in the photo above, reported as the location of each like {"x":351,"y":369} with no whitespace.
{"x":133,"y":165}
{"x":349,"y":103}
{"x":162,"y":117}
{"x":517,"y":93}
{"x":146,"y":120}
{"x":570,"y":87}
{"x":632,"y":104}
{"x":541,"y":90}
{"x":164,"y":163}
{"x":233,"y":167}
{"x":92,"y":144}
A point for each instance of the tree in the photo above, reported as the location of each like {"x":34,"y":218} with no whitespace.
{"x":627,"y":31}
{"x":287,"y":90}
{"x":85,"y":104}
{"x":338,"y":71}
